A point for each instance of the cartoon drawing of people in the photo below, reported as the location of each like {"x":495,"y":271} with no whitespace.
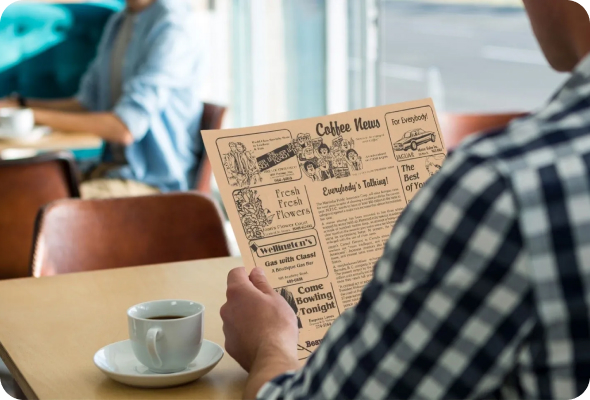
{"x":325,"y":171}
{"x":336,"y":150}
{"x":340,"y":167}
{"x":300,"y":143}
{"x":240,"y":165}
{"x":434,"y":163}
{"x":319,"y":161}
{"x":306,"y":150}
{"x":354,"y":160}
{"x":347,"y":145}
{"x":324,"y":154}
{"x":236,"y":164}
{"x":251,"y":166}
{"x":324,"y":151}
{"x":228,"y":166}
{"x":336,"y":145}
{"x":311,"y":171}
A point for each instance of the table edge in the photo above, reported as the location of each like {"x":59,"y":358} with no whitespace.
{"x":17,"y":375}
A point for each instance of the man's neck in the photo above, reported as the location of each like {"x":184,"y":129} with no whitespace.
{"x":137,"y":6}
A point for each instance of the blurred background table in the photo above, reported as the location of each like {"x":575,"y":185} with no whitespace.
{"x":83,"y":145}
{"x":46,"y":48}
{"x":52,"y":327}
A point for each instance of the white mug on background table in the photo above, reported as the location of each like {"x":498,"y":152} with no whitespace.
{"x":16,"y":123}
{"x":166,"y":335}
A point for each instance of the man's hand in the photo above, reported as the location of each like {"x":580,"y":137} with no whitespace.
{"x":256,"y":318}
{"x":8,"y":102}
{"x":105,"y":125}
{"x":260,"y":328}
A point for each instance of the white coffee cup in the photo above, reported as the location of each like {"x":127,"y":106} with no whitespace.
{"x":16,"y":122}
{"x":166,"y":345}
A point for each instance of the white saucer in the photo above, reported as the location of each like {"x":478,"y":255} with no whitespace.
{"x":35,"y":134}
{"x":118,"y":362}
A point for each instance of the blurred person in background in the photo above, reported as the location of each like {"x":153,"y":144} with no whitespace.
{"x":141,"y":95}
{"x":483,"y":290}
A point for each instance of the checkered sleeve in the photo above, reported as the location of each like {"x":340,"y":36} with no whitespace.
{"x":448,"y":308}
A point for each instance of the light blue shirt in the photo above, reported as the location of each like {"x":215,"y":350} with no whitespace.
{"x":160,"y":103}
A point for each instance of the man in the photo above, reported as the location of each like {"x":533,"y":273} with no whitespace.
{"x":484,"y":287}
{"x":141,"y":95}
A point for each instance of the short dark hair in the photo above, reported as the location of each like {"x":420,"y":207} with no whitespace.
{"x":324,"y":146}
{"x":308,"y":163}
{"x":351,"y":151}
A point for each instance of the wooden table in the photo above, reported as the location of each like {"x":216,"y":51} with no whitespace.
{"x":51,"y":327}
{"x":56,"y":141}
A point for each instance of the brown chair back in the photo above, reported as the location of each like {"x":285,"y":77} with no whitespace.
{"x":212,"y":119}
{"x":25,"y":186}
{"x":86,"y":235}
{"x":456,"y":127}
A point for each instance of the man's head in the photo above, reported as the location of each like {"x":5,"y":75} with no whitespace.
{"x":138,"y":5}
{"x":562,"y":28}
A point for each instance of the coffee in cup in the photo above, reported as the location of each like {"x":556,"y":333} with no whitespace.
{"x":166,"y":335}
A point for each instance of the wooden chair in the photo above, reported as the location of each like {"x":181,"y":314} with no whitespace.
{"x":212,"y":119}
{"x":85,"y":235}
{"x":456,"y":127}
{"x":25,"y":186}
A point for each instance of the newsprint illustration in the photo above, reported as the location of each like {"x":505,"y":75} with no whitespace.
{"x":312,"y":202}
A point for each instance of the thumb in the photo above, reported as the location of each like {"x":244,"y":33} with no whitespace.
{"x":258,"y":279}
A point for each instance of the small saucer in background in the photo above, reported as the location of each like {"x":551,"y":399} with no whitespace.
{"x":35,"y":134}
{"x":15,"y":154}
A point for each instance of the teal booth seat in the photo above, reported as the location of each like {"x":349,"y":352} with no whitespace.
{"x":45,"y":48}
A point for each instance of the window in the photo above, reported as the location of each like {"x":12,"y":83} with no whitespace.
{"x":469,"y":56}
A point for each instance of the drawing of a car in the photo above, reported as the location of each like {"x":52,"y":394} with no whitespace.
{"x":414,"y":138}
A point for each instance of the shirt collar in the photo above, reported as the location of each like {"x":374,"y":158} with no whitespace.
{"x":159,"y":7}
{"x":572,"y":88}
{"x":127,"y":13}
{"x":168,"y":4}
{"x":583,"y":67}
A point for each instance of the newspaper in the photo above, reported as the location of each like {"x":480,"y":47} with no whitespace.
{"x":313,"y":201}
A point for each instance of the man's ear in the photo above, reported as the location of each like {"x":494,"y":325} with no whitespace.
{"x":585,"y":4}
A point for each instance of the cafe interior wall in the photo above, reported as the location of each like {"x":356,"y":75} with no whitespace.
{"x":276,"y":60}
{"x":246,"y":59}
{"x":279,"y":60}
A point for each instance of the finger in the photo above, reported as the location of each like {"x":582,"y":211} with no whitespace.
{"x":237,"y":275}
{"x":224,"y":312}
{"x":259,"y":280}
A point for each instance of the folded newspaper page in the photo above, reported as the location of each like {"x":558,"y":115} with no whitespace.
{"x":313,"y":201}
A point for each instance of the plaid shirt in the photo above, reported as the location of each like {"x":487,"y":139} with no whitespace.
{"x":483,"y":290}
